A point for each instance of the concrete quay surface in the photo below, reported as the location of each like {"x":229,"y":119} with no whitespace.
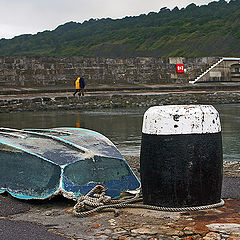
{"x":219,"y":86}
{"x":14,"y":100}
{"x":52,"y":219}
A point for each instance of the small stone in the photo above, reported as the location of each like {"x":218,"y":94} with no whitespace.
{"x":123,"y":237}
{"x":96,"y":226}
{"x":48,"y":213}
{"x":194,"y":237}
{"x":188,"y":233}
{"x":225,"y":236}
{"x":174,"y":232}
{"x":212,"y":236}
{"x":115,"y":237}
{"x":188,"y":230}
{"x":225,"y":228}
{"x":233,"y":238}
{"x":107,"y":231}
{"x":188,"y":238}
{"x":99,"y":234}
{"x":144,"y":231}
{"x":141,"y":237}
{"x":121,"y":232}
{"x":118,"y":229}
{"x":133,"y":234}
{"x":112,"y":222}
{"x":102,"y":237}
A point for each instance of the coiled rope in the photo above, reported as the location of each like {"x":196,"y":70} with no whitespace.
{"x":99,"y":202}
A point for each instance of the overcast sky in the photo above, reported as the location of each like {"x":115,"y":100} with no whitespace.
{"x":31,"y":16}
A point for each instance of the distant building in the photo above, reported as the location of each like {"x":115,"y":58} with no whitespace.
{"x":235,"y":72}
{"x":225,"y":70}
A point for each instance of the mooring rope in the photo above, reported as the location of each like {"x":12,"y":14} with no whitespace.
{"x":87,"y":205}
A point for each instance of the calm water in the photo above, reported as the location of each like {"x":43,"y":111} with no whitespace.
{"x":122,"y":126}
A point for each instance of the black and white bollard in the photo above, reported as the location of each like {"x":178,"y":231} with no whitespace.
{"x":181,"y":156}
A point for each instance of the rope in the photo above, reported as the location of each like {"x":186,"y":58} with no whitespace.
{"x":88,"y":205}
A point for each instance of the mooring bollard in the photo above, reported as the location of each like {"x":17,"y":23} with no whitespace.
{"x":181,"y":156}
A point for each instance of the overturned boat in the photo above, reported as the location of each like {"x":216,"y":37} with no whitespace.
{"x":41,"y":163}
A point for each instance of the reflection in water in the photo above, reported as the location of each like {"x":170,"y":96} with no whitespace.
{"x":78,"y":122}
{"x":122,"y":126}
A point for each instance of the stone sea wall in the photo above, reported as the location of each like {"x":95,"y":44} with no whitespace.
{"x":62,"y":71}
{"x":115,"y":101}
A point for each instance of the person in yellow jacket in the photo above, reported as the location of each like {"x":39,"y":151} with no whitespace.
{"x":79,"y":86}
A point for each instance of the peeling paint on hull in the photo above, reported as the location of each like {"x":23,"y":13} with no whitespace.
{"x":41,"y":163}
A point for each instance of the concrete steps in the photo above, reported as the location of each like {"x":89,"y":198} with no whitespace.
{"x":204,"y":73}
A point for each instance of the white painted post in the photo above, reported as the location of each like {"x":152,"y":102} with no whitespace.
{"x":181,"y":156}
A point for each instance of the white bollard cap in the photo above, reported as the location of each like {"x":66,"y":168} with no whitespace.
{"x":181,"y":119}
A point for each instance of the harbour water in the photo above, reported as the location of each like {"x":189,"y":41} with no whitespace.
{"x":122,"y":126}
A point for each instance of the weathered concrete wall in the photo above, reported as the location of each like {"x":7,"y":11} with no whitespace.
{"x":115,"y":101}
{"x":62,"y":71}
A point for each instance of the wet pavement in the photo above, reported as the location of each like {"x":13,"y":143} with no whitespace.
{"x":115,"y":89}
{"x":53,"y":220}
{"x":16,"y":230}
{"x":231,"y":187}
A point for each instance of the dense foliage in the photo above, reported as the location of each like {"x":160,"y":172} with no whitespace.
{"x":208,"y":30}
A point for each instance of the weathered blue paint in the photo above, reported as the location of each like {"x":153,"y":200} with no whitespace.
{"x":116,"y":179}
{"x":24,"y":150}
{"x":13,"y":188}
{"x":114,"y":187}
{"x":70,"y":161}
{"x":106,"y":148}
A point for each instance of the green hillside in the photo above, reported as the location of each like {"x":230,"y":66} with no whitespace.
{"x":208,"y":30}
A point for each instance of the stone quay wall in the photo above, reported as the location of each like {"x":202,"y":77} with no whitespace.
{"x":115,"y":101}
{"x":26,"y":71}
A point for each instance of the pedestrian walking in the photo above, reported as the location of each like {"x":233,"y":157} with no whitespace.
{"x":79,"y":86}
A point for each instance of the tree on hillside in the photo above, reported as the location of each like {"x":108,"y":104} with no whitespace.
{"x":212,"y":29}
